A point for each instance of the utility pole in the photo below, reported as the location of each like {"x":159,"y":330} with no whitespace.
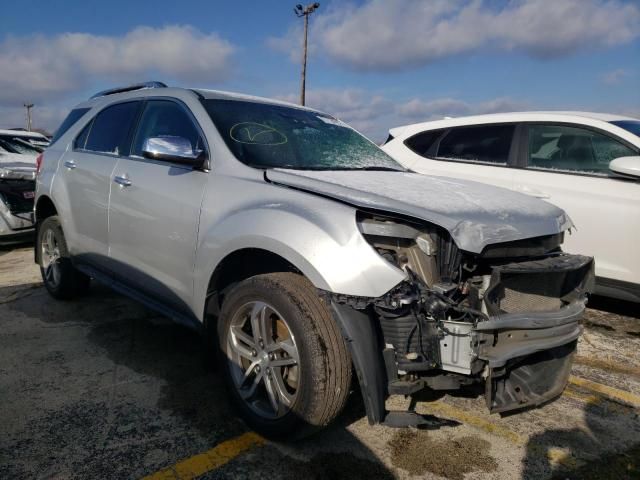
{"x":28,"y":106}
{"x":301,"y":11}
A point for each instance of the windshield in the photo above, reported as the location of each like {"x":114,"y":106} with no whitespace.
{"x":632,"y":126}
{"x":18,"y":145}
{"x":270,"y":136}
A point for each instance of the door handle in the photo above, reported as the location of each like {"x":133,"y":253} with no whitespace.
{"x":122,"y":181}
{"x":70,"y":164}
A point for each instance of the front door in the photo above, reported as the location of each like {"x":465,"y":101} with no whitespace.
{"x":569,"y":167}
{"x":155,"y":209}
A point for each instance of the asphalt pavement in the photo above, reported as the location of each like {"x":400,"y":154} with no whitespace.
{"x":102,"y":388}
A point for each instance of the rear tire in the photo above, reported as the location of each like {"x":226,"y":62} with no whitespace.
{"x":298,"y":352}
{"x":61,"y":279}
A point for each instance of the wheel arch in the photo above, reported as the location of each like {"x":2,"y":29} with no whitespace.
{"x":237,"y":266}
{"x":44,"y":208}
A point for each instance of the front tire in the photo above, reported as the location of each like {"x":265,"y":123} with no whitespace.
{"x":60,"y":277}
{"x":284,"y":360}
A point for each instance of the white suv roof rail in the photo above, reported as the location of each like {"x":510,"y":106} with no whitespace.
{"x":136,"y":86}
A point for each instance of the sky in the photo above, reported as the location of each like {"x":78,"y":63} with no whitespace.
{"x":374,"y":64}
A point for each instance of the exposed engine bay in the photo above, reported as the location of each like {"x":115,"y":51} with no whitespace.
{"x":508,"y":317}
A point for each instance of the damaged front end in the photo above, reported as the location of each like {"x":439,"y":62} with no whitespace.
{"x":508,"y":318}
{"x":17,"y":191}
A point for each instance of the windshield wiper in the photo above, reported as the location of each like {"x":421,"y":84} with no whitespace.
{"x":331,"y":168}
{"x":378,"y":169}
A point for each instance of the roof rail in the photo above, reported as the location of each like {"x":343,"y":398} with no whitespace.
{"x":130,"y":88}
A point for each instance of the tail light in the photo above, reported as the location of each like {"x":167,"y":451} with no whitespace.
{"x":39,"y":163}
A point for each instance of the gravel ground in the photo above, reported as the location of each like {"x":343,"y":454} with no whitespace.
{"x":103,"y":388}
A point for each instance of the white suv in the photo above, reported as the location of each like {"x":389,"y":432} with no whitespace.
{"x":571,"y":159}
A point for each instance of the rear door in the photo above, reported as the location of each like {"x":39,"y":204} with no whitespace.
{"x":483,"y":153}
{"x":568,"y":166}
{"x":86,"y":169}
{"x":155,"y":209}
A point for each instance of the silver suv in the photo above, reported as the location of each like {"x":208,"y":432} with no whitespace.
{"x":303,"y":253}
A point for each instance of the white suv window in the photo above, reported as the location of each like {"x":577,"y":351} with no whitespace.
{"x":572,"y":149}
{"x":484,"y":144}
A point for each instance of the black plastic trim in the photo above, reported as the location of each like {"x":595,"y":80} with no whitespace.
{"x":179,"y":317}
{"x":363,"y":341}
{"x":620,"y":289}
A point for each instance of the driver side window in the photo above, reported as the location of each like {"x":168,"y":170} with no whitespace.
{"x":164,"y":118}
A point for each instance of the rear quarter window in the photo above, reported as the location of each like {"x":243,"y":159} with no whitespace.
{"x":421,"y":143}
{"x":68,"y":122}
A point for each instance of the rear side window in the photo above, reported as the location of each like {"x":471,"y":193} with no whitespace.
{"x":422,"y":142}
{"x":109,"y":131}
{"x":67,"y":123}
{"x":486,"y":144}
{"x":572,"y":149}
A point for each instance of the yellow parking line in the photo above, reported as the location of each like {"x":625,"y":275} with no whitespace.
{"x":202,"y":463}
{"x":582,"y":397}
{"x":444,"y":409}
{"x":607,"y":365}
{"x":612,"y":393}
{"x":613,"y":406}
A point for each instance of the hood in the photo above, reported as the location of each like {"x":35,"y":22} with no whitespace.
{"x":475,"y":214}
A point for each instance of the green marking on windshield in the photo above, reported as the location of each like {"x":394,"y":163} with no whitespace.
{"x":253,"y":133}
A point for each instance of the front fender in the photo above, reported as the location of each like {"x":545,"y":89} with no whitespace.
{"x":323,"y":242}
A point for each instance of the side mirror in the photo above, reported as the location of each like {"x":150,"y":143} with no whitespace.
{"x":629,"y":166}
{"x":172,"y":149}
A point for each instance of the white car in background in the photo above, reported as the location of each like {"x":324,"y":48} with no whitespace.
{"x":586,"y":163}
{"x":34,"y":139}
{"x":18,"y":157}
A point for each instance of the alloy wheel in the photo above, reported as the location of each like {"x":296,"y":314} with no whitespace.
{"x":263,"y":359}
{"x":50,"y":255}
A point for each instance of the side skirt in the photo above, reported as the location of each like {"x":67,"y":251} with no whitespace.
{"x":188,"y":321}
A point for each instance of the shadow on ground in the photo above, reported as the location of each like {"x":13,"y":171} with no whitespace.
{"x":104,"y":388}
{"x":577,"y":454}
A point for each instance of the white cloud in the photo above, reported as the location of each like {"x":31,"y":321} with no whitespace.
{"x":614,"y":77}
{"x":44,"y":117}
{"x":358,"y":108}
{"x":400,"y":34}
{"x":38,"y":68}
{"x":421,"y":110}
{"x":374,"y":114}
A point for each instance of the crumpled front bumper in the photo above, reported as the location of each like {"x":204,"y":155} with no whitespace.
{"x":523,"y":351}
{"x":528,"y":355}
{"x":528,"y":360}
